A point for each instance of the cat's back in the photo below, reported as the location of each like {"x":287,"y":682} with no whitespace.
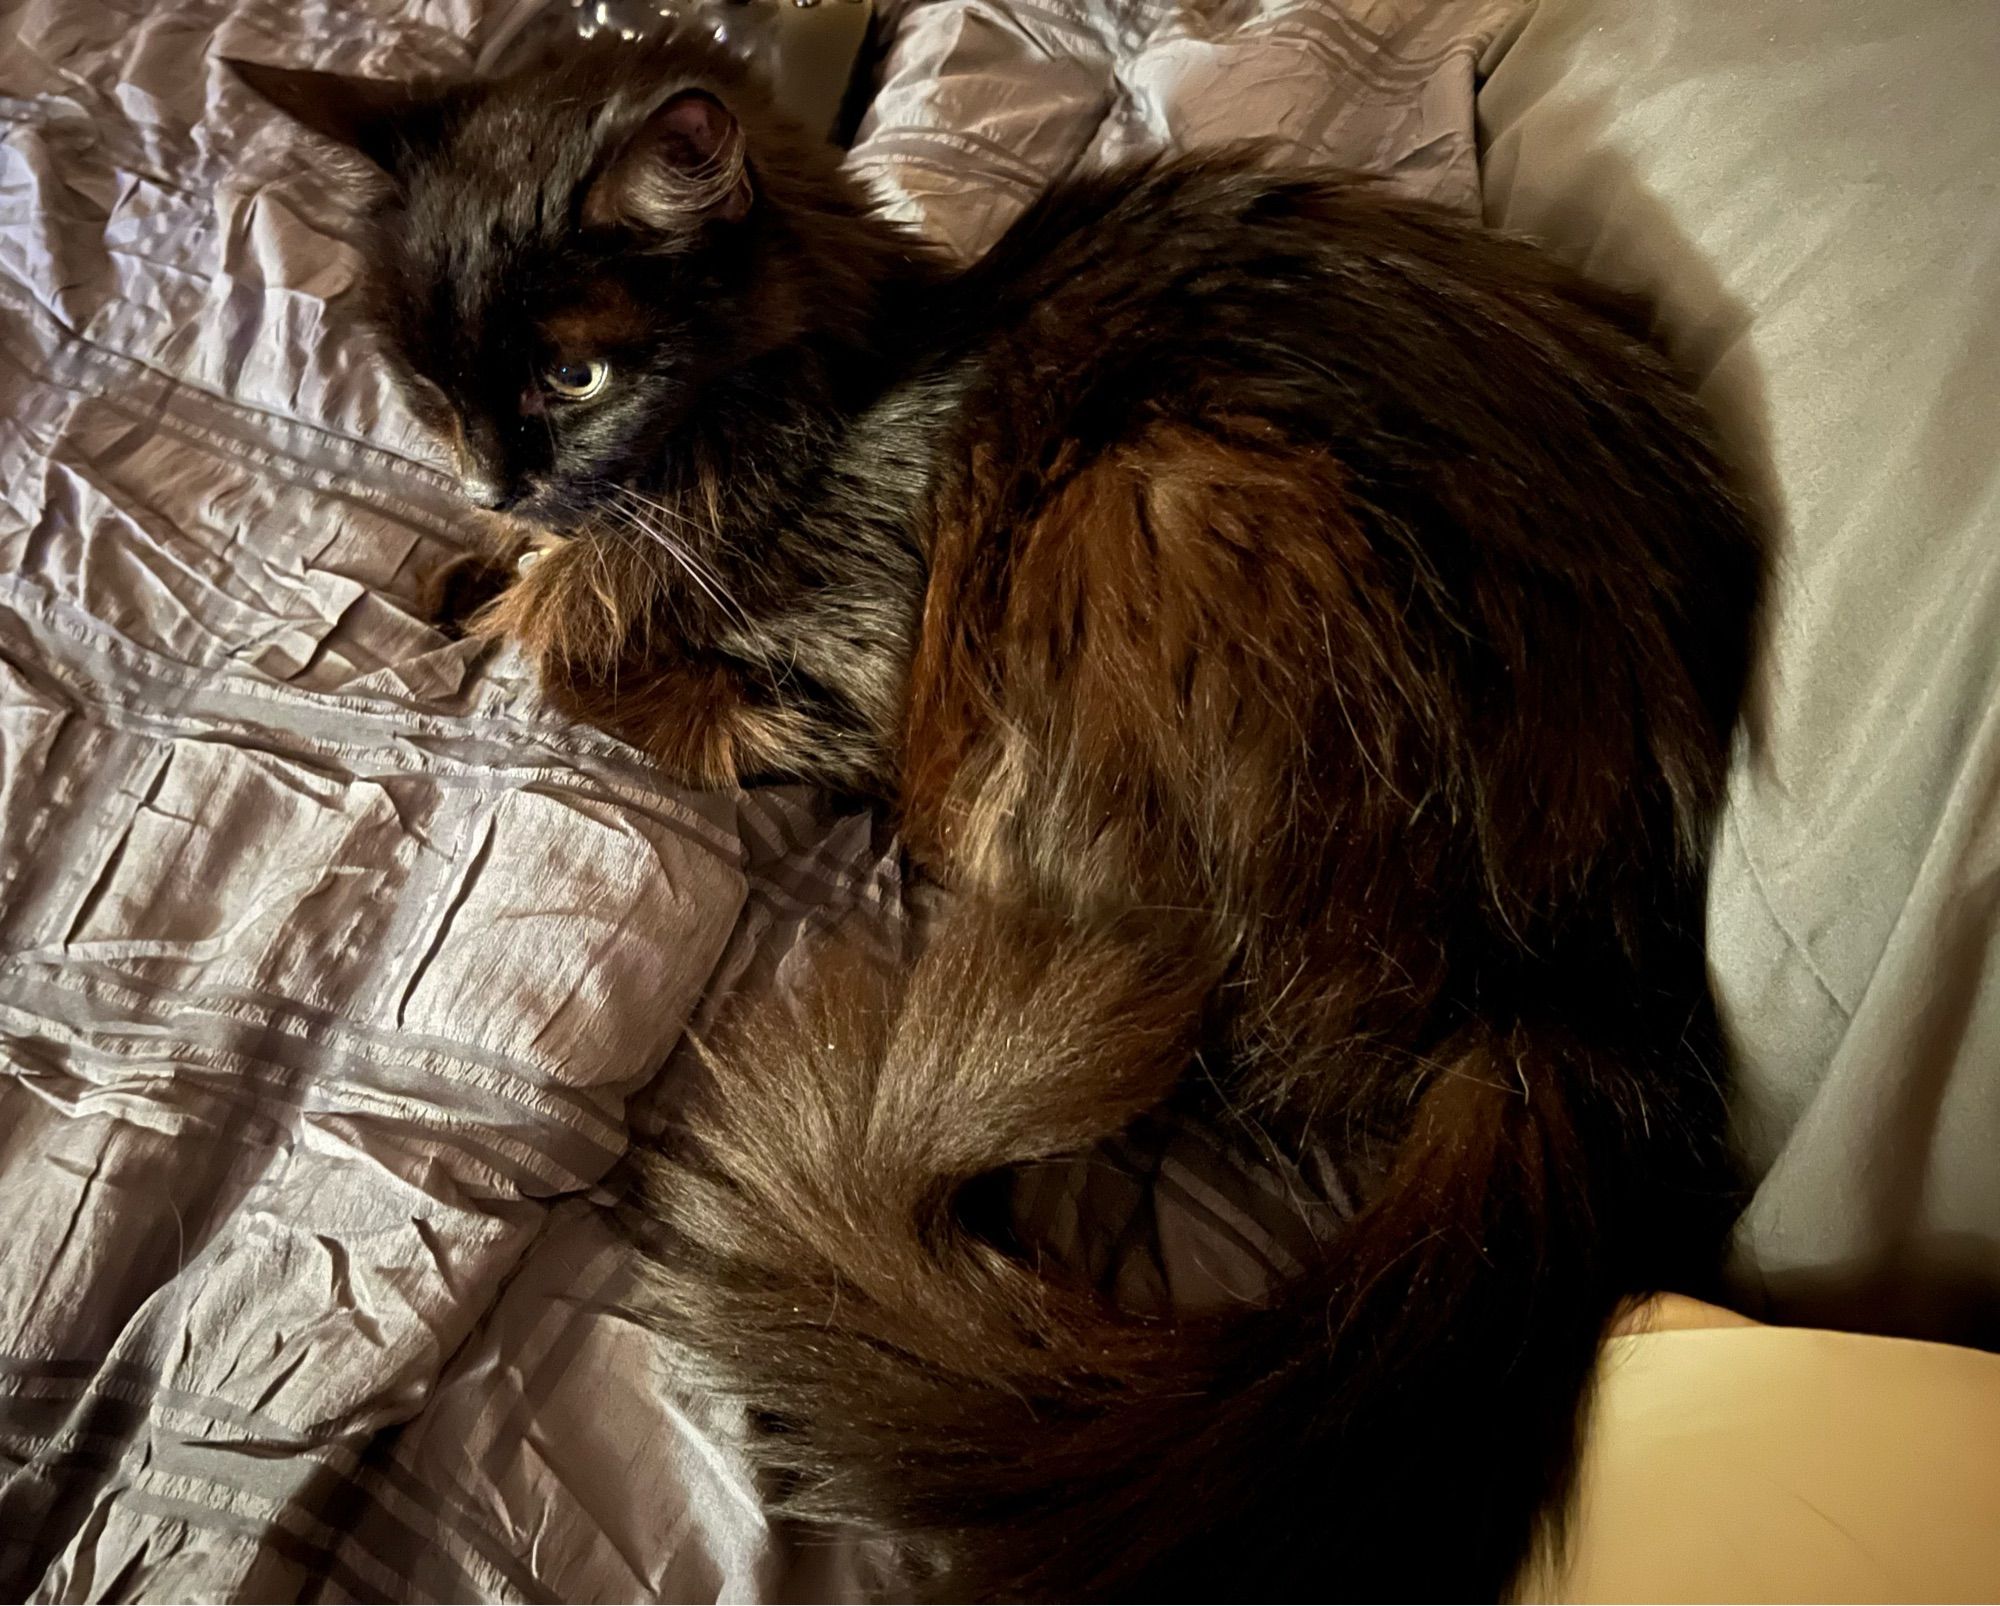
{"x":1209,"y":405}
{"x":1322,"y":302}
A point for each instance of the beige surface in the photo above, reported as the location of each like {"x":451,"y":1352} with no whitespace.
{"x":1733,"y":1462}
{"x":1810,"y":192}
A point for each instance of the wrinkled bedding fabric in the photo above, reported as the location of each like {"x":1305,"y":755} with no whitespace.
{"x":1808,"y":192}
{"x":337,"y":974}
{"x":335,"y":970}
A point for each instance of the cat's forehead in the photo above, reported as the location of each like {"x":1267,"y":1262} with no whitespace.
{"x":486,"y":228}
{"x":507,"y":172}
{"x":601,"y":314}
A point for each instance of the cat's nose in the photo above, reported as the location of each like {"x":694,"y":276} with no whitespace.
{"x":484,"y":491}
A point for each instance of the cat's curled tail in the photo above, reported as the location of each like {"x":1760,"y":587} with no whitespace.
{"x":1387,"y":1427}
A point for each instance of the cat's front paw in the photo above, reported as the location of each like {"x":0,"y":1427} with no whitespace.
{"x":462,"y":589}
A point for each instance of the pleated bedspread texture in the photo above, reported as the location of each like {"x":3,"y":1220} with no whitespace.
{"x":337,"y":972}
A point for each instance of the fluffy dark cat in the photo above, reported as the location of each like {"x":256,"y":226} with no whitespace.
{"x":1301,"y":630}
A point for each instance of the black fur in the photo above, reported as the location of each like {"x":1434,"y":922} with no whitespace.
{"x":1304,"y":633}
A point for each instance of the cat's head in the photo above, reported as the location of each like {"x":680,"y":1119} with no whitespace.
{"x":569,"y":258}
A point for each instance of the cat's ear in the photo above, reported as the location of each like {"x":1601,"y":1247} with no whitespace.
{"x":685,"y":164}
{"x":366,"y":115}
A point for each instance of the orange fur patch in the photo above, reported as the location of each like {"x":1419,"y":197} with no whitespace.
{"x":609,"y":318}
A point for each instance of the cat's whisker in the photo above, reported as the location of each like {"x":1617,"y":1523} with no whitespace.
{"x":702,"y":574}
{"x":632,"y":521}
{"x":707,"y":532}
{"x":694,"y":570}
{"x":667,"y":510}
{"x":683,"y":520}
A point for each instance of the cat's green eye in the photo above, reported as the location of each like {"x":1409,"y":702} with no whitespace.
{"x":576,"y":381}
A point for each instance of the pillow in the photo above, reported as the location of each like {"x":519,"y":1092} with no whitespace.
{"x":1809,"y":193}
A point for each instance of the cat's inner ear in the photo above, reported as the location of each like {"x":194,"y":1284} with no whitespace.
{"x":366,"y":115}
{"x":685,"y":164}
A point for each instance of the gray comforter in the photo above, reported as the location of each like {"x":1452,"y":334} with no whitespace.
{"x":337,"y":970}
{"x":336,"y":973}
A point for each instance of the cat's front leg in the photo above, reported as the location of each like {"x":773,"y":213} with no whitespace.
{"x":460,"y":590}
{"x":608,"y":656}
{"x":701,"y":721}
